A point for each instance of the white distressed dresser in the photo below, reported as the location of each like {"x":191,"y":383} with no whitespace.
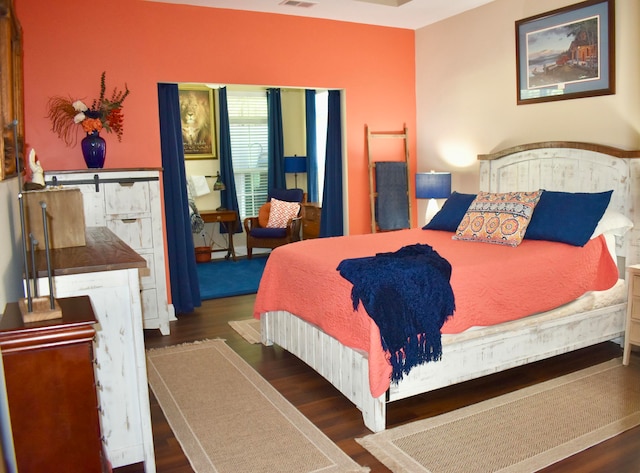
{"x":106,"y":269}
{"x":128,"y":202}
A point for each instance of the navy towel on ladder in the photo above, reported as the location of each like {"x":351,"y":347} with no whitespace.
{"x":392,"y":201}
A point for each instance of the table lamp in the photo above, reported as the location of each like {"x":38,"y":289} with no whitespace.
{"x":295,"y":164}
{"x":432,"y":185}
{"x":219,"y":185}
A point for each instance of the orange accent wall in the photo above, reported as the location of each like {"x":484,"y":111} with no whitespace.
{"x":68,"y":43}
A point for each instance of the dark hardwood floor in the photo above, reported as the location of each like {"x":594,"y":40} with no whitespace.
{"x":342,"y":422}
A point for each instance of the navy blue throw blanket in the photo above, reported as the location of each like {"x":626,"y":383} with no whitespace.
{"x":408,"y":295}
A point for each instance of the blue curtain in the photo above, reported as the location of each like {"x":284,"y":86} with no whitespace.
{"x":183,"y":276}
{"x":312,"y":159}
{"x":332,"y":214}
{"x":228,"y":197}
{"x":276,"y":178}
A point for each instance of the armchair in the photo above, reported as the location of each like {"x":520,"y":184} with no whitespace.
{"x":272,"y":229}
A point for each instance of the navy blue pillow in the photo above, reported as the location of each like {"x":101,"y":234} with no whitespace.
{"x":567,"y":217}
{"x":287,"y":195}
{"x":450,"y":215}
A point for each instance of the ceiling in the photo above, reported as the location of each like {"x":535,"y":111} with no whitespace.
{"x":410,"y":14}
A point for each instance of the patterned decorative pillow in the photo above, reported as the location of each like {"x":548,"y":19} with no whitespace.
{"x":281,"y":213}
{"x":500,"y":218}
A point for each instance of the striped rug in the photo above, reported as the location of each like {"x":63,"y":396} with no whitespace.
{"x":229,"y":419}
{"x":249,"y":329}
{"x":523,"y":431}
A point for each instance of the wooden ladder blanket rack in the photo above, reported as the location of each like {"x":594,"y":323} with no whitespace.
{"x":389,"y":185}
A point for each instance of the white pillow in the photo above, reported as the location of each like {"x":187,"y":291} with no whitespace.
{"x":614,"y":223}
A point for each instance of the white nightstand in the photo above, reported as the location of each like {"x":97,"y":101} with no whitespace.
{"x":632,"y":334}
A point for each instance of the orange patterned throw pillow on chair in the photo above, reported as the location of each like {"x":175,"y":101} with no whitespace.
{"x":281,"y":212}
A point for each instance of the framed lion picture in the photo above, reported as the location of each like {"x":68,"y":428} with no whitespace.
{"x":197,"y":122}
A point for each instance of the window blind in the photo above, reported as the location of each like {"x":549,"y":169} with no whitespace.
{"x":248,"y":127}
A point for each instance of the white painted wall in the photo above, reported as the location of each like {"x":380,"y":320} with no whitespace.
{"x":466,"y":91}
{"x":10,"y":291}
{"x":11,"y":251}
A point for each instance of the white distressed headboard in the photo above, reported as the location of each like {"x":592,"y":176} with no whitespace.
{"x":571,"y":167}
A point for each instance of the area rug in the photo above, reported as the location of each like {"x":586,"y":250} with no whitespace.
{"x":523,"y":431}
{"x":249,"y":329}
{"x":226,"y":278}
{"x":228,"y":419}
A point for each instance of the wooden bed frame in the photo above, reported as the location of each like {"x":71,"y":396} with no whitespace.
{"x":565,"y":166}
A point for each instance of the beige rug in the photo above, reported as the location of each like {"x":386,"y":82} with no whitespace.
{"x":523,"y":431}
{"x":228,"y":419}
{"x":249,"y":329}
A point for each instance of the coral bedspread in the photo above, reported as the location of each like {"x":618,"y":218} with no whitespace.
{"x":492,"y":283}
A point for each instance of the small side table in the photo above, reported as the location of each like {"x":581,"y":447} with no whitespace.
{"x":311,"y":220}
{"x":632,"y":333}
{"x":227,"y":218}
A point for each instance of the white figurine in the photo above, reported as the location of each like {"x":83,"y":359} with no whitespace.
{"x":37,"y":173}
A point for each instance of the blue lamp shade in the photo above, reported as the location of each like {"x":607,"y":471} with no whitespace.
{"x":433,"y":185}
{"x":295,"y":164}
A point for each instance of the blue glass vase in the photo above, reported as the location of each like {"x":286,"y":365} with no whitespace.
{"x":94,"y":150}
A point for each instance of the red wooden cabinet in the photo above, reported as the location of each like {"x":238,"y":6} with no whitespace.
{"x":51,"y":392}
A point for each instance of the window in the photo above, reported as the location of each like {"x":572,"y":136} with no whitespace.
{"x":248,"y":128}
{"x":322,"y":112}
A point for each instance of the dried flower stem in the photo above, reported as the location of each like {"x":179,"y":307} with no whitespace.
{"x":61,"y":113}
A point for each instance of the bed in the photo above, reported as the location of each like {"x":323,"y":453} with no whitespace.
{"x":351,"y":363}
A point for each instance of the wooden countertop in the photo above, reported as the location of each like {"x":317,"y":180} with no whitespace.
{"x":77,"y":312}
{"x":212,"y":216}
{"x":100,"y":171}
{"x":104,"y":251}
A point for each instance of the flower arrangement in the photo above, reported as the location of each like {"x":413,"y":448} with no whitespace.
{"x":104,"y":113}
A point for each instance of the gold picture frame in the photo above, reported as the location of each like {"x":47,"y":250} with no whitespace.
{"x":197,"y":121}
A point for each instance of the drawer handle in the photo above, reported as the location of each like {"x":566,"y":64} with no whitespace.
{"x":126,"y":184}
{"x":129,"y":220}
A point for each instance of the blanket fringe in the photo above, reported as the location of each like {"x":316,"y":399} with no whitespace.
{"x":196,"y":342}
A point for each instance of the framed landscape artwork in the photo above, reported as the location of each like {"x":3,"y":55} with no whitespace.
{"x":196,"y":119}
{"x":566,"y":53}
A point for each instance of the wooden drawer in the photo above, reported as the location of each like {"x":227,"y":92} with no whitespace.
{"x":148,"y":274}
{"x":635,"y":308}
{"x":135,"y":232}
{"x":634,"y":332}
{"x":310,"y":230}
{"x":311,"y":212}
{"x":635,"y":291}
{"x":93,"y":205}
{"x":310,"y":221}
{"x":149,"y":300}
{"x":127,"y":198}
